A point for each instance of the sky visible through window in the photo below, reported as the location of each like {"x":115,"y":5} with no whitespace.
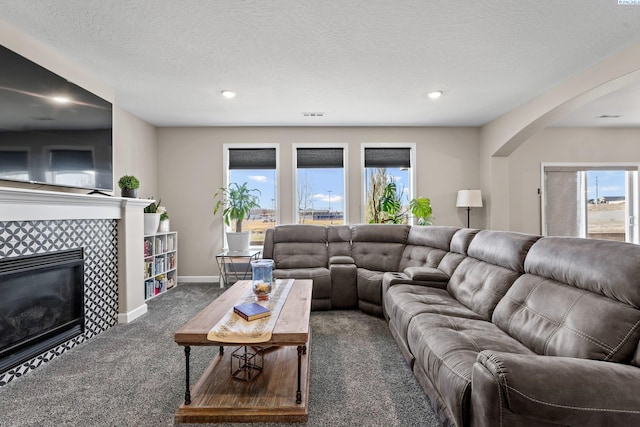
{"x":609,"y":184}
{"x":327,"y":186}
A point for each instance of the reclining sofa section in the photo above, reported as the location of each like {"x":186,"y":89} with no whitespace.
{"x":500,"y":328}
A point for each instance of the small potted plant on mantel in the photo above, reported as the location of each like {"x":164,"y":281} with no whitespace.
{"x":236,"y":203}
{"x":129,"y":185}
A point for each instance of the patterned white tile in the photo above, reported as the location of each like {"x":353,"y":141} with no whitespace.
{"x":99,"y":240}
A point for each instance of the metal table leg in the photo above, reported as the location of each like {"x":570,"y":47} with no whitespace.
{"x":301,"y":349}
{"x":187,"y":393}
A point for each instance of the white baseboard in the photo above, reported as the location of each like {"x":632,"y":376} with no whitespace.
{"x":132,"y":315}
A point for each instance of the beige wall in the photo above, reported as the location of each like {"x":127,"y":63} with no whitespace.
{"x":192,"y":169}
{"x":571,"y":145}
{"x":135,"y":152}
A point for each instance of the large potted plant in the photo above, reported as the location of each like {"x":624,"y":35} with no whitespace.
{"x":235,"y":202}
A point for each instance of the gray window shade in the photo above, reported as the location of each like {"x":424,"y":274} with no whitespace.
{"x":320,"y":158}
{"x":387,"y":157}
{"x":562,"y":207}
{"x":13,"y":161}
{"x":71,"y":160}
{"x":252,"y":158}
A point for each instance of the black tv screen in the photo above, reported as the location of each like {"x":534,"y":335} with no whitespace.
{"x":51,"y":130}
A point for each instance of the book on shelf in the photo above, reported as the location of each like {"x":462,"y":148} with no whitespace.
{"x":148,"y":269}
{"x":251,"y":311}
{"x":148,"y":248}
{"x":149,"y":289}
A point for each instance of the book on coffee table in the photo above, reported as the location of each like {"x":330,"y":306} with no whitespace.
{"x":251,"y":311}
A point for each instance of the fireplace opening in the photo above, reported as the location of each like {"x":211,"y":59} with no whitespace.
{"x":41,"y":304}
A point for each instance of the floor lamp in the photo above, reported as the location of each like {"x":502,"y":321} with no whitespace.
{"x":469,"y":199}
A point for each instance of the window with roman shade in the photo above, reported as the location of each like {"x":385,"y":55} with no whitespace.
{"x":257,"y":166}
{"x":320,"y":185}
{"x":384,"y":164}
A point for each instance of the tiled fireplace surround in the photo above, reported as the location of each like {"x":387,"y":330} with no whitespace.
{"x":110,"y":231}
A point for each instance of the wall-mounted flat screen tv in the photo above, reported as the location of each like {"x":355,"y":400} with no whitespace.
{"x":51,"y":130}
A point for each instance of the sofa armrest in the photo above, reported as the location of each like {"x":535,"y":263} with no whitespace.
{"x":426,"y":274}
{"x":557,"y":390}
{"x":344,"y":289}
{"x":341,"y":259}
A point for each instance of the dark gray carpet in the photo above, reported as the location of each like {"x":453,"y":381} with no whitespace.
{"x":133,"y":375}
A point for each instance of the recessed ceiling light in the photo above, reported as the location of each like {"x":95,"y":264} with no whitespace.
{"x":228,"y":94}
{"x":61,"y":99}
{"x":435,"y":94}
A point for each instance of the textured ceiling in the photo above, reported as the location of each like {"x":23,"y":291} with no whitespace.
{"x":360,"y":62}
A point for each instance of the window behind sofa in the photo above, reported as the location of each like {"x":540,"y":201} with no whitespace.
{"x":384,"y":163}
{"x":256,"y":165}
{"x":590,"y":200}
{"x":320,"y":184}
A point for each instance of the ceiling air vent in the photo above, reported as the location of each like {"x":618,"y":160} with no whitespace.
{"x":313,"y":113}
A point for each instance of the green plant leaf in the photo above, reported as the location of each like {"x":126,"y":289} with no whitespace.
{"x":236,"y":202}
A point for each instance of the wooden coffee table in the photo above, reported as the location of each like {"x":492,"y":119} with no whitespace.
{"x":279,"y":394}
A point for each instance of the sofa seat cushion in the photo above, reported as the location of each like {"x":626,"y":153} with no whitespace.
{"x":369,"y":285}
{"x":320,"y":276}
{"x":403,"y":302}
{"x":446,"y":347}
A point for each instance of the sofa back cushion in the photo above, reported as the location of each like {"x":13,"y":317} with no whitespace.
{"x":378,"y":247}
{"x":300,"y":246}
{"x":495,"y":261}
{"x":462,"y":239}
{"x":608,"y":268}
{"x":438,"y":237}
{"x":339,"y":237}
{"x":555,"y":319}
{"x":426,"y":246}
{"x":580,"y":298}
{"x":504,"y":248}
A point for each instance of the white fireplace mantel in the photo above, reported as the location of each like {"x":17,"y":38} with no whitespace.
{"x":18,"y":204}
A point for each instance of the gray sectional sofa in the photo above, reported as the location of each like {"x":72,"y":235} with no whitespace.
{"x":500,"y":328}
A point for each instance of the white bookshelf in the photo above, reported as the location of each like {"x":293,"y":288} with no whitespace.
{"x":160,"y":263}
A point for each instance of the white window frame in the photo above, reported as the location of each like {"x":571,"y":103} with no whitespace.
{"x":632,"y":225}
{"x":363,"y":175}
{"x":226,"y":173}
{"x":345,"y":181}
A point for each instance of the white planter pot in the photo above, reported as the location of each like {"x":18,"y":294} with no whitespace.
{"x":151,"y":223}
{"x":238,"y":242}
{"x":164,"y":226}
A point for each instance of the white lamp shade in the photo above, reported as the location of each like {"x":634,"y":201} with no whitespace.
{"x":469,"y":199}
